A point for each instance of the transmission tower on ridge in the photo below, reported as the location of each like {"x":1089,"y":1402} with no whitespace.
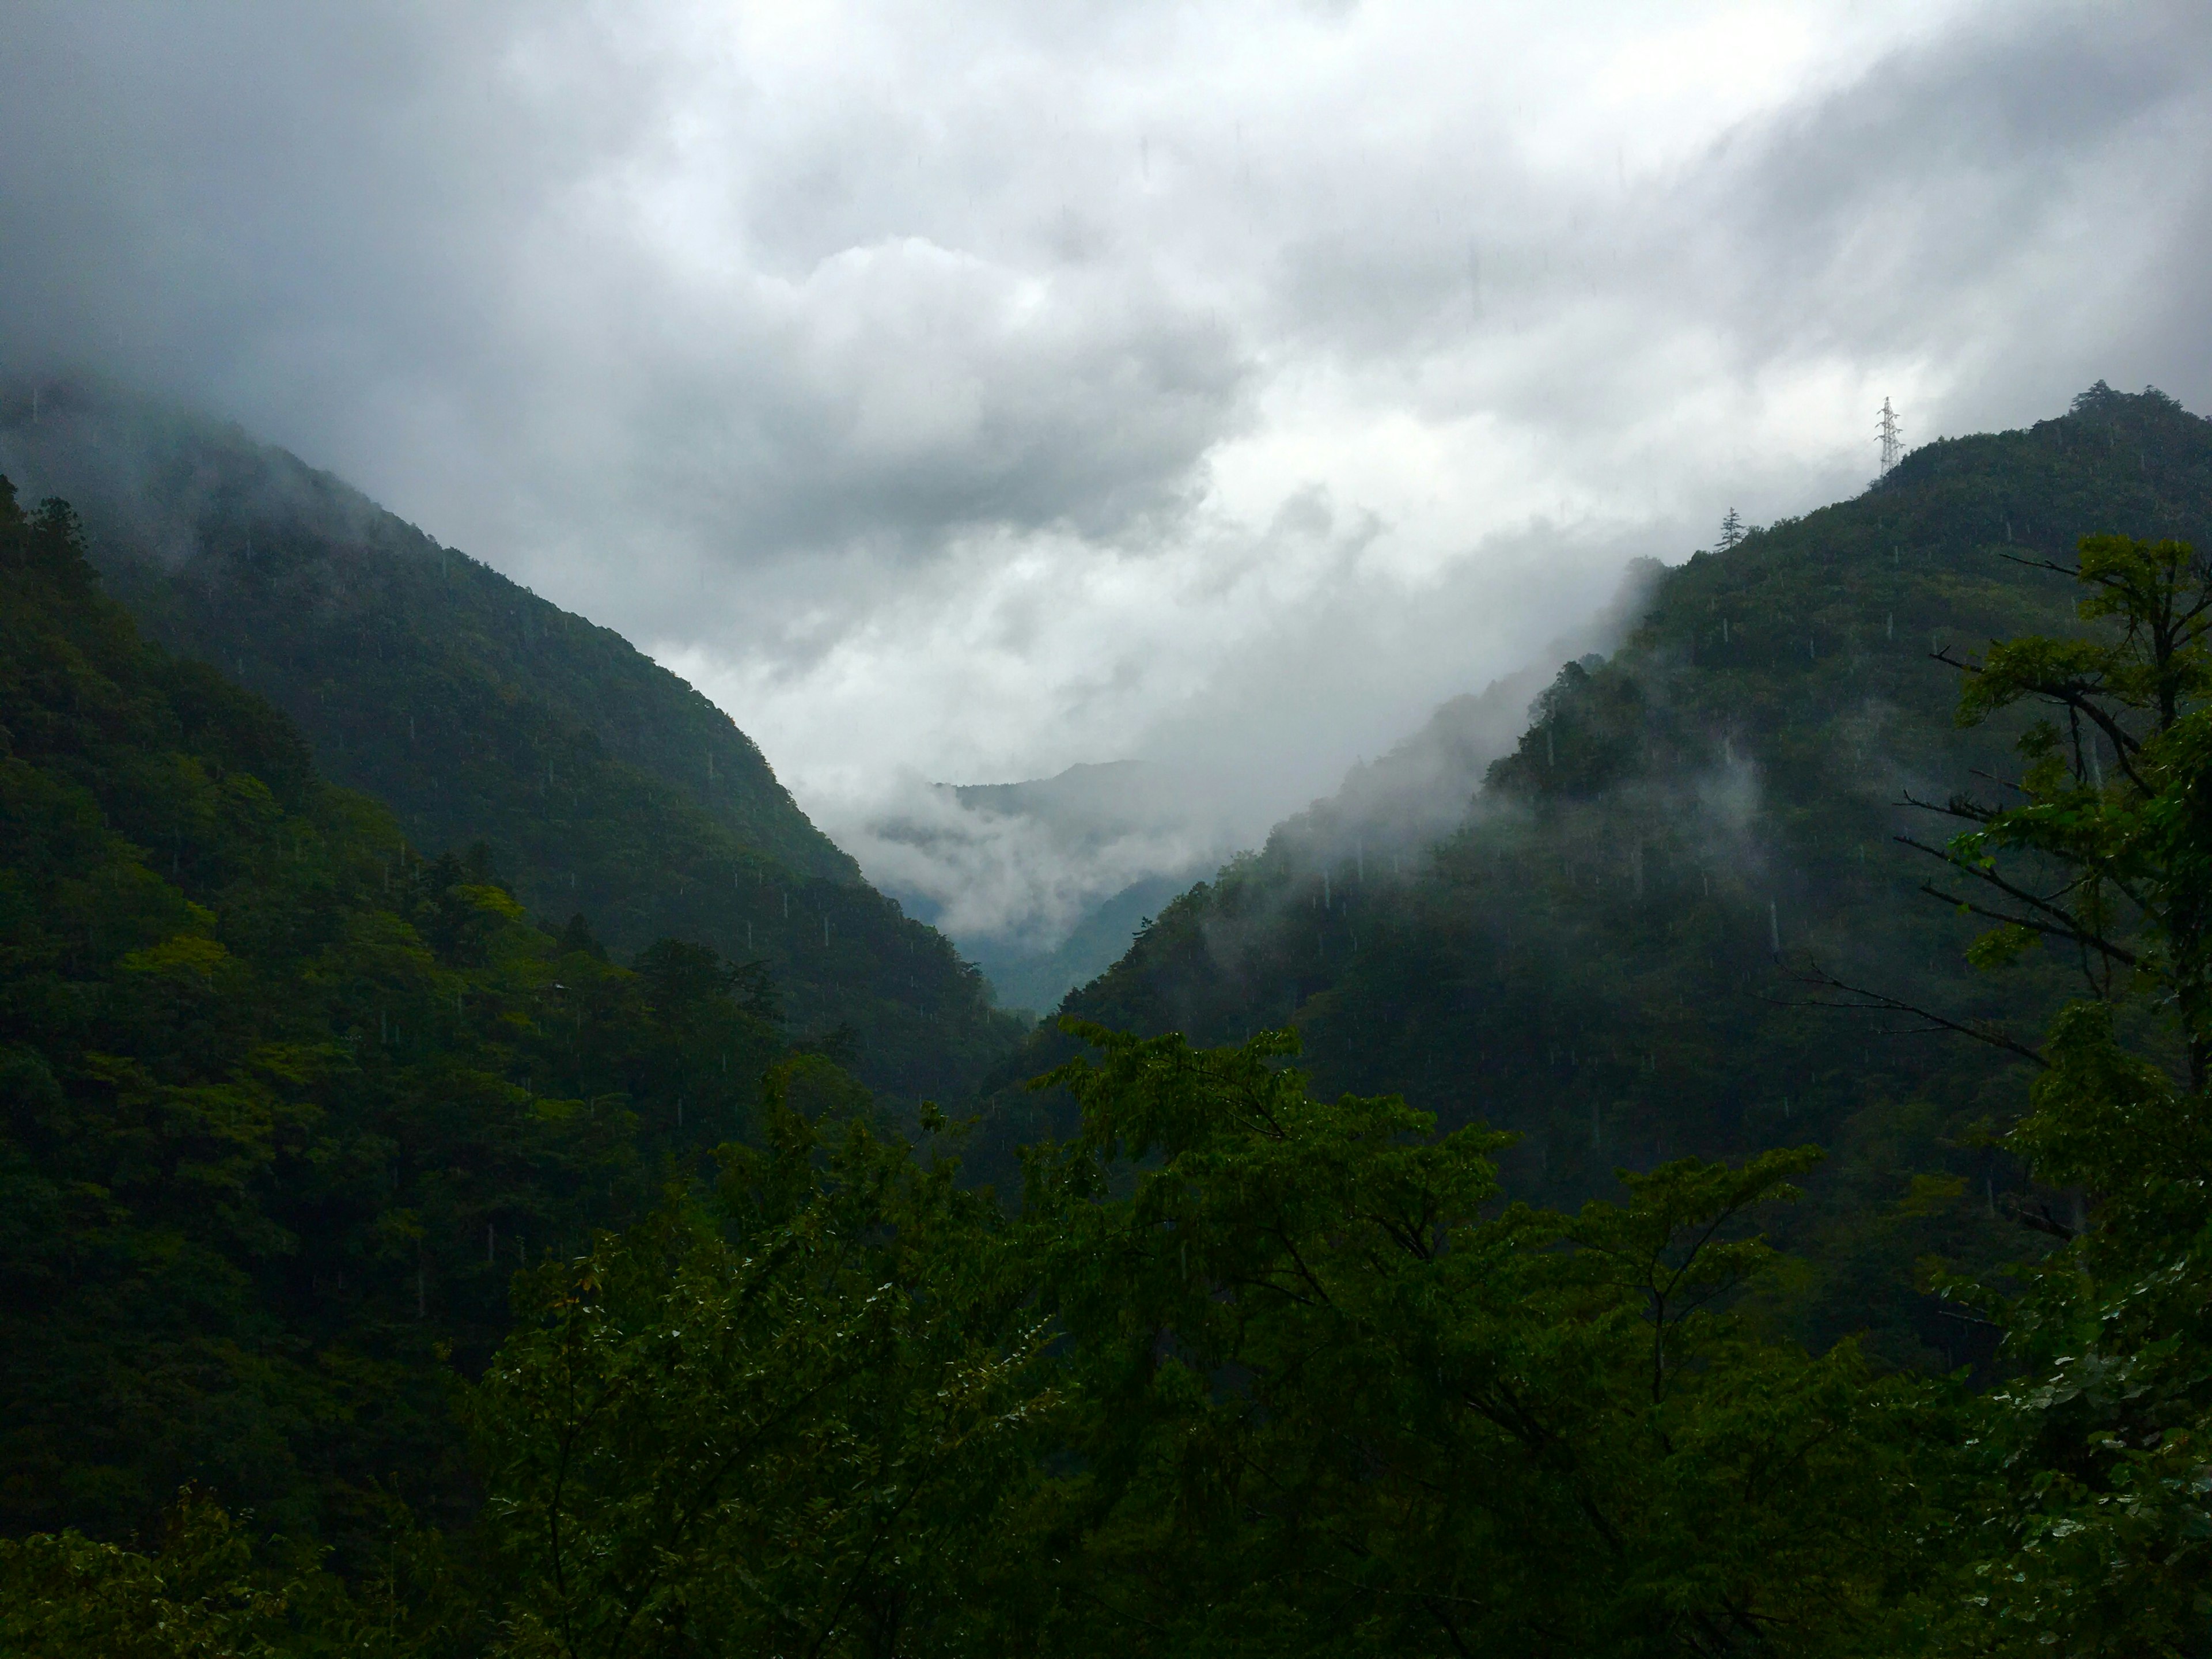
{"x":1893,"y":446}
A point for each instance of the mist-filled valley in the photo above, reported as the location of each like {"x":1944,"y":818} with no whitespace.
{"x":1181,"y":832}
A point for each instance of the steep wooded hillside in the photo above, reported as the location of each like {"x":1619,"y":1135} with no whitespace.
{"x":1611,"y":955}
{"x":600,"y":783}
{"x":282,"y":1104}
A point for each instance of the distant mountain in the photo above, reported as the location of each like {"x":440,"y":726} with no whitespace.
{"x":1394,"y":804}
{"x":1085,"y":811}
{"x":1604,"y":950}
{"x":1043,"y":882}
{"x":1027,"y":977}
{"x":1092,"y":804}
{"x":601,"y":783}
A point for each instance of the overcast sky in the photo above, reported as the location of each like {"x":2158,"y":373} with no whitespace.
{"x":960,"y":391}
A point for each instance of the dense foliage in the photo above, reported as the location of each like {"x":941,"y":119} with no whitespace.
{"x":285,"y":1105}
{"x":2100,"y":1541}
{"x":476,"y":711}
{"x":1249,"y":1369}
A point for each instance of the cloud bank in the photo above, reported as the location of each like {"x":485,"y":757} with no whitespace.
{"x":958,"y":393}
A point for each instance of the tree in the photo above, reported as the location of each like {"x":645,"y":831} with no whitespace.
{"x":2097,"y":1534}
{"x":789,"y":1419}
{"x":1250,"y":1373}
{"x":206,"y":1592}
{"x":1732,"y":530}
{"x":1326,"y":1395}
{"x":282,"y":1104}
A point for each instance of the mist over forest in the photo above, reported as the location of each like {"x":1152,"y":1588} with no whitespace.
{"x":1372,"y":829}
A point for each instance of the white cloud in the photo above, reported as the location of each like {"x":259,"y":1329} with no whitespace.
{"x":960,"y":392}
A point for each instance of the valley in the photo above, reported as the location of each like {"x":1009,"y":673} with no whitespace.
{"x":453,"y":1090}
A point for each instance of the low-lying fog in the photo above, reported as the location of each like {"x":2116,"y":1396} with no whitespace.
{"x":962,"y":394}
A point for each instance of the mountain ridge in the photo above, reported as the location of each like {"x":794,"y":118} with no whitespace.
{"x":166,"y":494}
{"x":1609,"y":954}
{"x":479,"y":713}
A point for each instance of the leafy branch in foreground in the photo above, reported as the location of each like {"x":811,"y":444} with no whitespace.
{"x":2103,"y":862}
{"x":2096,"y":1534}
{"x":2109,"y":863}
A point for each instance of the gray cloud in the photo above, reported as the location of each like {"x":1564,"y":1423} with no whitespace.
{"x":1019,"y":864}
{"x":962,"y":394}
{"x":1921,"y":207}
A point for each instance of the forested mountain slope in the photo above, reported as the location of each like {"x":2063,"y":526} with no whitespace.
{"x":283,"y":1112}
{"x":282,"y":1106}
{"x":479,"y":713}
{"x":1610,"y":954}
{"x":1248,"y":1372}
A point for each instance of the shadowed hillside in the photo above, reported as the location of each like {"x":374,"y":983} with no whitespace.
{"x":600,"y":783}
{"x":1611,"y":954}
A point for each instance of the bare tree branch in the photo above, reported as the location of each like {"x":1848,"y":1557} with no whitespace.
{"x":1882,"y":1002}
{"x":2080,"y":697}
{"x":2072,"y":934}
{"x":2043,"y":1221}
{"x":2043,"y":564}
{"x":2065,"y":925}
{"x":1957,"y":807}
